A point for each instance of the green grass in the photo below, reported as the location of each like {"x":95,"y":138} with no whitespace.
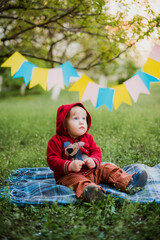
{"x":128,"y":135}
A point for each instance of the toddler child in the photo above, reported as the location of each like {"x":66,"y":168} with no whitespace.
{"x":76,"y":159}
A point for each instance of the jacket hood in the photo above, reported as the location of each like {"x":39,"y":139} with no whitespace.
{"x":61,"y":115}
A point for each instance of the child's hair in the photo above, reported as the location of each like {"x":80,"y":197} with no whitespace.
{"x":68,"y":115}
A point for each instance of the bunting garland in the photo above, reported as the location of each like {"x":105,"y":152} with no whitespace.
{"x":81,"y":85}
{"x":91,"y":95}
{"x":68,"y":71}
{"x":146,"y":78}
{"x":152,"y":65}
{"x":87,"y":88}
{"x":55,"y":78}
{"x":132,"y":84}
{"x":121,"y":96}
{"x":14,"y":61}
{"x":105,"y":97}
{"x":152,"y":68}
{"x":25,"y":71}
{"x":39,"y":76}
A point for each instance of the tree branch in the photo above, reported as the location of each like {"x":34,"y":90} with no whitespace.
{"x":90,"y":65}
{"x":40,"y":25}
{"x":3,"y":2}
{"x":8,"y":17}
{"x":100,"y":62}
{"x":63,"y":29}
{"x":14,"y":7}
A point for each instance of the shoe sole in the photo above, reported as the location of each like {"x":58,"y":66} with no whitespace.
{"x":142,"y":180}
{"x":92,"y":194}
{"x":140,"y":183}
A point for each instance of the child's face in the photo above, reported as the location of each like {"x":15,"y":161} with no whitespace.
{"x":76,"y":123}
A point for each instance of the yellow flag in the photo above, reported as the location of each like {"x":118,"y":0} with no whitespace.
{"x":39,"y":76}
{"x":121,"y":95}
{"x":14,"y":61}
{"x":152,"y":67}
{"x":80,"y":85}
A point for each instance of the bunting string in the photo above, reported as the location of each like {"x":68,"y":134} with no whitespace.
{"x":48,"y":78}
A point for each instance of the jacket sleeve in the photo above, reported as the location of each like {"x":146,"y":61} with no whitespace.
{"x":54,"y":158}
{"x":95,"y":151}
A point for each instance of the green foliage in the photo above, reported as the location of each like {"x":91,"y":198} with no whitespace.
{"x":126,"y":71}
{"x":84,"y":32}
{"x":12,"y":87}
{"x":46,"y":29}
{"x":128,"y":135}
{"x":109,"y":219}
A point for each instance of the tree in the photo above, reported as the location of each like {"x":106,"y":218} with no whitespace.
{"x":82,"y":31}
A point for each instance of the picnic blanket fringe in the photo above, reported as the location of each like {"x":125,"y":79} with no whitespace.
{"x":37,"y":186}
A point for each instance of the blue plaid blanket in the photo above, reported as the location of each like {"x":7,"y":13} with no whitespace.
{"x":38,"y":186}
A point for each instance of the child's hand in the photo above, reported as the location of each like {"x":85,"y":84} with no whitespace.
{"x":89,"y":162}
{"x":76,"y":165}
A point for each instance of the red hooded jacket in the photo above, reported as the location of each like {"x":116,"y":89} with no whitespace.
{"x":57,"y":158}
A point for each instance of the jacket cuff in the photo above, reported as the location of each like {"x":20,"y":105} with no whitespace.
{"x":96,"y":162}
{"x":66,"y":166}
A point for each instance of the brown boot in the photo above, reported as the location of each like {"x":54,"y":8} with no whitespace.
{"x":137,"y":182}
{"x":92,"y":193}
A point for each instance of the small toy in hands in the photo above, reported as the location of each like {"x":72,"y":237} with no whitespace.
{"x":74,"y":150}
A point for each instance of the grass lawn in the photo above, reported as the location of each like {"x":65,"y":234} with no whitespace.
{"x":128,"y":135}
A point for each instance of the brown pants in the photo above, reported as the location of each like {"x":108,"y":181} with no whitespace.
{"x":106,"y":173}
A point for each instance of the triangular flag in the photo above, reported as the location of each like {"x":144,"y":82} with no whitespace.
{"x":121,"y":95}
{"x":80,"y":85}
{"x":39,"y":76}
{"x":68,"y":71}
{"x":146,"y":78}
{"x":105,"y":97}
{"x":91,"y":93}
{"x":25,"y":71}
{"x":152,"y":67}
{"x":155,"y":53}
{"x":14,"y":61}
{"x":55,"y":77}
{"x":135,"y":86}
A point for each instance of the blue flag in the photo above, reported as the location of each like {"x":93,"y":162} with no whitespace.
{"x":25,"y":71}
{"x":68,"y":71}
{"x":105,"y":97}
{"x":146,"y":78}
